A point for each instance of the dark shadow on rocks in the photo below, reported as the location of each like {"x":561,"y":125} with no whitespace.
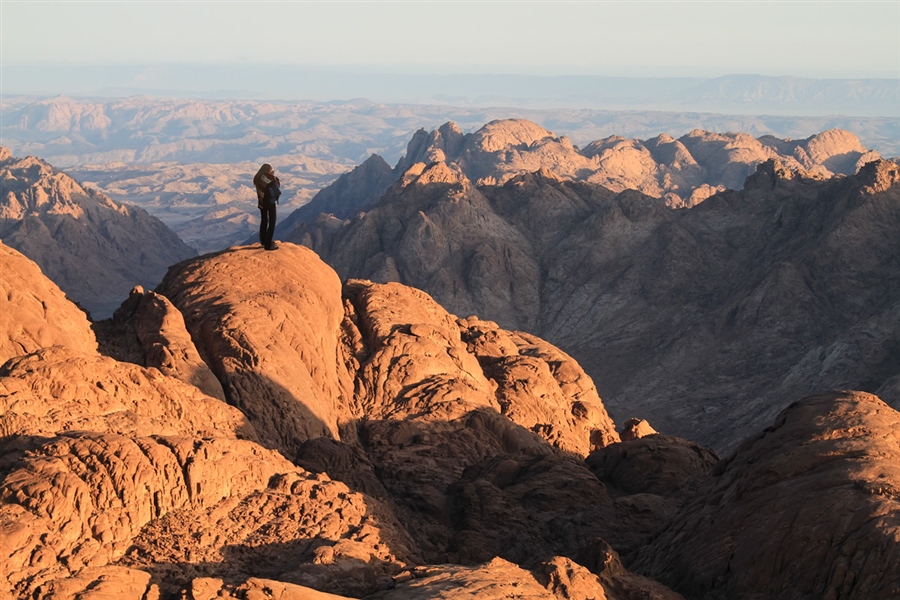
{"x":301,"y":562}
{"x":14,"y":447}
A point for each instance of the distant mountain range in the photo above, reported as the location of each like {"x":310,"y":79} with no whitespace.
{"x":189,"y":162}
{"x":740,"y":93}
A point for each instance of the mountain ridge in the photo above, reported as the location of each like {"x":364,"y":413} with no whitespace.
{"x":95,"y":249}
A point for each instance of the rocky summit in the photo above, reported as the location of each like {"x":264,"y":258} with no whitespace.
{"x":255,"y":428}
{"x":94,"y":249}
{"x":707,"y":321}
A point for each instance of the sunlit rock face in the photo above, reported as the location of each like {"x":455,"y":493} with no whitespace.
{"x":257,"y":427}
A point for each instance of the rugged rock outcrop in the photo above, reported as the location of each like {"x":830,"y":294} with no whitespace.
{"x":809,"y":508}
{"x":94,"y":249}
{"x":120,"y":479}
{"x":383,"y":352}
{"x":430,"y":457}
{"x":702,"y":321}
{"x":149,"y":331}
{"x":54,"y":390}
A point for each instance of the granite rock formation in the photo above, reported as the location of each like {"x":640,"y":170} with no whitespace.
{"x":703,"y":321}
{"x":375,"y":446}
{"x":36,"y":313}
{"x":129,"y":477}
{"x":95,"y":249}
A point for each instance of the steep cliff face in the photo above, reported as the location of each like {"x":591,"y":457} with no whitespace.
{"x":703,"y":320}
{"x":94,"y":249}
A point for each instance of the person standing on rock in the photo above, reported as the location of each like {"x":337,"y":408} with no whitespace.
{"x":268,"y":190}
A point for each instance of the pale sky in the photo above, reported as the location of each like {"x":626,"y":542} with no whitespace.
{"x":809,"y":39}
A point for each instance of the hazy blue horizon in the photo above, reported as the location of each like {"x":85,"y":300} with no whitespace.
{"x":731,"y":94}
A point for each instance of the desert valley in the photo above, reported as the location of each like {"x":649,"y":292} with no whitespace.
{"x":488,"y":359}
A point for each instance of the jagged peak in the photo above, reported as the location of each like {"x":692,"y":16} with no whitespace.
{"x":879,"y":175}
{"x":450,"y":127}
{"x":768,"y":174}
{"x":374,"y":160}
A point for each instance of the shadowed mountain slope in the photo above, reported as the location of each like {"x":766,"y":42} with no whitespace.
{"x":94,"y":249}
{"x":701,"y":320}
{"x":809,"y":508}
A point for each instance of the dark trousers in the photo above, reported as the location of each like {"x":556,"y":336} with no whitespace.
{"x":267,"y":223}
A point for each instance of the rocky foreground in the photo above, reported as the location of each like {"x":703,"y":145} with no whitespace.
{"x":255,"y":429}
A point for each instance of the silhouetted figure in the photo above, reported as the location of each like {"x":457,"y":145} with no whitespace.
{"x":268,"y":190}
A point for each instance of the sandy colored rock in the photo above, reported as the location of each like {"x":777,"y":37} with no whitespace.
{"x":636,"y":428}
{"x":80,"y":499}
{"x":569,"y":580}
{"x":148,"y":330}
{"x":302,"y":529}
{"x":268,"y":324}
{"x":807,"y":508}
{"x":255,"y":588}
{"x":540,"y":387}
{"x":451,"y":440}
{"x":56,"y":390}
{"x":494,"y":580}
{"x":101,"y":583}
{"x":36,"y":313}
